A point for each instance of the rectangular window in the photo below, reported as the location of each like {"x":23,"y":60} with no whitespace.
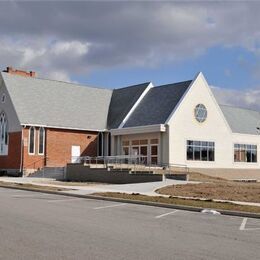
{"x":200,"y":150}
{"x":245,"y":153}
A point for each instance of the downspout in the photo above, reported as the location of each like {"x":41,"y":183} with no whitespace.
{"x":22,"y":149}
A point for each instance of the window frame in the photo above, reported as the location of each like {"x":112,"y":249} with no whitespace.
{"x":197,"y":110}
{"x":4,"y":137}
{"x":246,"y":150}
{"x":43,"y":145}
{"x":29,"y":143}
{"x":199,"y":147}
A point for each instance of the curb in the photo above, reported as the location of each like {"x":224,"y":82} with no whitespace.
{"x":138,"y":202}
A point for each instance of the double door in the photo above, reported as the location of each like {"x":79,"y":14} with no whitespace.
{"x":145,"y":152}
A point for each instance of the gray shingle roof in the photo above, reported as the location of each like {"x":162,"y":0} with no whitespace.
{"x":241,"y":120}
{"x":58,"y":104}
{"x":122,"y":101}
{"x":157,"y":104}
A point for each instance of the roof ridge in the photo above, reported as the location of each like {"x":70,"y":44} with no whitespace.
{"x":59,"y":81}
{"x":148,"y":82}
{"x":243,"y":108}
{"x":180,"y":82}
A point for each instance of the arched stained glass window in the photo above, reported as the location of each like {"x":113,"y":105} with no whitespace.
{"x":3,"y":134}
{"x":41,"y":141}
{"x":32,"y":140}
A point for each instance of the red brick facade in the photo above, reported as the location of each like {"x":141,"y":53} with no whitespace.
{"x":58,"y":144}
{"x":13,"y":159}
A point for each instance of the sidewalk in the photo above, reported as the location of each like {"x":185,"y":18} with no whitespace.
{"x":147,"y":189}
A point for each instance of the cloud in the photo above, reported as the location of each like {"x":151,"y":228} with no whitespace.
{"x":69,"y":38}
{"x":248,"y":98}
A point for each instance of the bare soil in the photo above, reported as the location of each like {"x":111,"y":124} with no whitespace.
{"x":185,"y":202}
{"x":216,"y":189}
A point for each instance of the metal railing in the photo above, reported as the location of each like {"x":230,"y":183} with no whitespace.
{"x":134,"y":162}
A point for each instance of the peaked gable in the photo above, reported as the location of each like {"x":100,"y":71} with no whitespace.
{"x":157,"y":104}
{"x":122,"y":101}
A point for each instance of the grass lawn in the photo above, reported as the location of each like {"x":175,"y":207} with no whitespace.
{"x":215,"y":188}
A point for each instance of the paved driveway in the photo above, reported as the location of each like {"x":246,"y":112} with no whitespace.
{"x":44,"y":226}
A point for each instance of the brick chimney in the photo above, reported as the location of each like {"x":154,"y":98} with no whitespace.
{"x":23,"y":73}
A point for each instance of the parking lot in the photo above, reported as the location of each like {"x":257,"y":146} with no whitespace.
{"x":44,"y":226}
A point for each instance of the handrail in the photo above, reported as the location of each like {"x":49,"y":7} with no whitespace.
{"x":36,"y":161}
{"x":135,"y":161}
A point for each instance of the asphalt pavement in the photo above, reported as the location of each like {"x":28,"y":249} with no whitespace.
{"x":46,"y":226}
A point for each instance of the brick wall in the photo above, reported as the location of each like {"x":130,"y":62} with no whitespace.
{"x":13,"y":159}
{"x":58,"y":143}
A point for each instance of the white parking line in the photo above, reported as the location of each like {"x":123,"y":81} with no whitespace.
{"x":243,"y":224}
{"x":64,"y":200}
{"x":166,"y":214}
{"x":111,"y":206}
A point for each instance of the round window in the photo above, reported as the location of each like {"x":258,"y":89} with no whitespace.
{"x":200,"y":113}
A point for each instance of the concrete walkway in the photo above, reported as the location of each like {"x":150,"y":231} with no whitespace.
{"x":147,"y":188}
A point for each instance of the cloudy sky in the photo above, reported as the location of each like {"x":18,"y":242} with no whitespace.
{"x":115,"y":44}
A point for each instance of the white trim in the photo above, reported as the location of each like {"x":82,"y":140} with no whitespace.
{"x":182,"y":98}
{"x":39,"y":140}
{"x":138,"y":130}
{"x":135,"y":105}
{"x":29,"y":139}
{"x":63,"y":127}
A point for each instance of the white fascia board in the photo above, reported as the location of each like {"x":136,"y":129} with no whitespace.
{"x":216,"y":103}
{"x":138,"y":130}
{"x":135,"y":105}
{"x":62,"y":127}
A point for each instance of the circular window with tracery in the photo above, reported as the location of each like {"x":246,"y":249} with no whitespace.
{"x":200,"y":113}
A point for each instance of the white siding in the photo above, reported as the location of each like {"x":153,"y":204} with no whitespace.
{"x":7,"y":107}
{"x":183,"y":126}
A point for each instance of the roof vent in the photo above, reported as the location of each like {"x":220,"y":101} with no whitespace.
{"x":23,"y":73}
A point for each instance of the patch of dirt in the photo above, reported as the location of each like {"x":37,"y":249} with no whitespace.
{"x":185,"y":202}
{"x":196,"y":176}
{"x":32,"y":186}
{"x":223,"y":190}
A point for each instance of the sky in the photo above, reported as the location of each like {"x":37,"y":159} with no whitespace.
{"x":115,"y":44}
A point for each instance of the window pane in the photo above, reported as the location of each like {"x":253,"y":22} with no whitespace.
{"x":125,"y":143}
{"x":41,"y":140}
{"x":31,"y":145}
{"x":211,"y":155}
{"x":204,"y":154}
{"x":154,"y":159}
{"x":197,"y":153}
{"x":189,"y":153}
{"x":189,"y":142}
{"x":144,"y":150}
{"x":154,"y":141}
{"x":126,"y":150}
{"x":154,"y":150}
{"x":143,"y":141}
{"x":254,"y":156}
{"x":135,"y":142}
{"x":245,"y":153}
